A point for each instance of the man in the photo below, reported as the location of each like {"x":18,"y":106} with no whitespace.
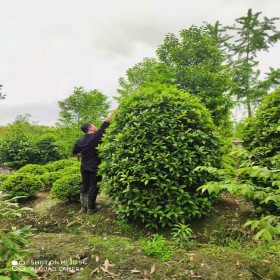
{"x":87,"y":148}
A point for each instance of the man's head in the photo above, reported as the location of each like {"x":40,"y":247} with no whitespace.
{"x":88,"y":128}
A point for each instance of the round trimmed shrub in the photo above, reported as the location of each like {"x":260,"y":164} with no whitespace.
{"x":35,"y":169}
{"x":61,"y":164}
{"x":67,"y":188}
{"x":48,"y":178}
{"x":25,"y":185}
{"x":262,"y":133}
{"x":150,"y":152}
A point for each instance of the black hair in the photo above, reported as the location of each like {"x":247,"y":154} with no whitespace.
{"x":85,"y":127}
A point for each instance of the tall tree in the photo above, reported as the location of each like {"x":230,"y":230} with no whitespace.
{"x":81,"y":107}
{"x":193,"y":62}
{"x":253,"y":35}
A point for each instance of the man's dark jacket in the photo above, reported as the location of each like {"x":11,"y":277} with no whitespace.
{"x":86,"y":146}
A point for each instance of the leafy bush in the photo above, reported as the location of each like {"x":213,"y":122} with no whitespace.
{"x":154,"y":143}
{"x":266,"y":200}
{"x":22,"y":185}
{"x":267,"y":227}
{"x":34,"y":169}
{"x":263,"y":130}
{"x":46,"y":150}
{"x":67,"y":188}
{"x":61,"y":164}
{"x":16,"y":150}
{"x":49,"y":178}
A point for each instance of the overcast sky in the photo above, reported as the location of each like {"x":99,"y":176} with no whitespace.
{"x":50,"y":46}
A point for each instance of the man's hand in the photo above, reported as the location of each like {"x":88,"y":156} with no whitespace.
{"x":109,"y":117}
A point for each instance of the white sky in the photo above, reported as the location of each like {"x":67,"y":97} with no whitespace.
{"x":50,"y":46}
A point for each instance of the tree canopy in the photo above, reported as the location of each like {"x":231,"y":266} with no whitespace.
{"x":192,"y":62}
{"x":82,"y":107}
{"x":218,"y":64}
{"x":253,"y":36}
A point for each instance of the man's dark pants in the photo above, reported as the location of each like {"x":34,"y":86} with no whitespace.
{"x":89,"y":186}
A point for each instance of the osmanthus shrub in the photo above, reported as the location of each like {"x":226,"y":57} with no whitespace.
{"x":149,"y":153}
{"x":67,"y":188}
{"x":35,"y":169}
{"x":262,"y":132}
{"x":49,"y":178}
{"x":261,"y":163}
{"x":20,"y":184}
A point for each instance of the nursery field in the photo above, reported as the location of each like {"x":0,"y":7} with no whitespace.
{"x":67,"y":245}
{"x":188,"y":191}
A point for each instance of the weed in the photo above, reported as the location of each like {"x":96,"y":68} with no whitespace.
{"x":157,"y":247}
{"x":181,"y":235}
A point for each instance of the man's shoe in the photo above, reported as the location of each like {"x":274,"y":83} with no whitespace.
{"x":84,"y":203}
{"x":95,"y":209}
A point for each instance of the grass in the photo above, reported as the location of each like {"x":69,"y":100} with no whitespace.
{"x":100,"y":246}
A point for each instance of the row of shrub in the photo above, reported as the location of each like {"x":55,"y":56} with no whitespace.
{"x":17,"y":150}
{"x":61,"y":177}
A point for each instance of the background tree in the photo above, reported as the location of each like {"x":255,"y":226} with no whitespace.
{"x":148,"y":71}
{"x":194,"y":62}
{"x":80,"y":107}
{"x":253,"y":36}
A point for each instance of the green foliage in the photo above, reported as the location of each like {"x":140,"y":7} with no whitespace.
{"x":16,"y":150}
{"x":22,"y":143}
{"x":8,"y":206}
{"x":35,"y":169}
{"x":25,"y":185}
{"x":3,"y":177}
{"x":46,"y":150}
{"x":82,"y":107}
{"x":49,"y":178}
{"x":61,"y":164}
{"x":259,"y":185}
{"x":267,"y":227}
{"x":181,"y":235}
{"x":157,"y":247}
{"x":12,"y":242}
{"x":67,"y":188}
{"x":154,"y":143}
{"x":12,"y":245}
{"x":262,"y":132}
{"x":193,"y":62}
{"x":265,"y":199}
